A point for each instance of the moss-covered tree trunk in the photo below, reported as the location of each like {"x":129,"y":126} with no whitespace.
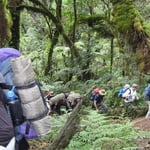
{"x":131,"y":29}
{"x":5,"y":23}
{"x":54,"y":41}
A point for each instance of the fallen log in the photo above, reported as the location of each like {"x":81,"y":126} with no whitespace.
{"x":71,"y":127}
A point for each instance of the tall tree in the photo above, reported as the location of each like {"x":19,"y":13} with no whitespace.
{"x":55,"y":17}
{"x":15,"y":30}
{"x":53,"y":36}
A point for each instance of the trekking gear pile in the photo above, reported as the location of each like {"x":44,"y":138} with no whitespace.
{"x":25,"y":102}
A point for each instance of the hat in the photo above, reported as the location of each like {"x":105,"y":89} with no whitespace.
{"x":126,"y":86}
{"x":134,"y":85}
{"x":102,"y":92}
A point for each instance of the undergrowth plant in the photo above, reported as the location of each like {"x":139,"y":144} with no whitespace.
{"x":99,"y":132}
{"x":102,"y":134}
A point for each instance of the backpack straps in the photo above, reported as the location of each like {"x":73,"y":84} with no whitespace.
{"x":3,"y":97}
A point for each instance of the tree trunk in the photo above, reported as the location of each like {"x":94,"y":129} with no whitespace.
{"x":50,"y":54}
{"x":68,"y":131}
{"x":111,"y":53}
{"x":5,"y":23}
{"x":15,"y":29}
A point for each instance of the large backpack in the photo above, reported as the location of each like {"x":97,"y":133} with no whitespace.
{"x":146,"y":93}
{"x":94,"y":92}
{"x":25,"y":99}
{"x":6,"y":127}
{"x":122,"y":91}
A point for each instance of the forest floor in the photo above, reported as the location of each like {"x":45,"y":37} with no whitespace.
{"x":143,"y":124}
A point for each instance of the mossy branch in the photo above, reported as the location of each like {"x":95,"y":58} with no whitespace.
{"x":90,"y":19}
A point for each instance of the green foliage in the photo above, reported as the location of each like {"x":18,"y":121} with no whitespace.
{"x":121,"y":11}
{"x":94,"y":54}
{"x":98,"y":132}
{"x":101,"y":134}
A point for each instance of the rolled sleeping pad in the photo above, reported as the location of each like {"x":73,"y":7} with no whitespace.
{"x":23,"y":71}
{"x":31,"y":98}
{"x":57,"y":98}
{"x":41,"y":126}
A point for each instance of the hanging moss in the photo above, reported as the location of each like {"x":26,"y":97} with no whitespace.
{"x":90,"y":19}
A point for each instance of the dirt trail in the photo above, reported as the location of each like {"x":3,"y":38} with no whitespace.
{"x":143,"y":124}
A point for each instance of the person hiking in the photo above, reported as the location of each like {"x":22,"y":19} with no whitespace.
{"x":123,"y":90}
{"x":97,"y":98}
{"x":57,"y":101}
{"x":6,"y":127}
{"x":146,"y":95}
{"x":6,"y":54}
{"x":130,"y":94}
{"x":73,"y":98}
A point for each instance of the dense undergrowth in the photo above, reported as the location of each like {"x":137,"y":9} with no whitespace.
{"x":113,"y":131}
{"x":116,"y":105}
{"x":100,"y":132}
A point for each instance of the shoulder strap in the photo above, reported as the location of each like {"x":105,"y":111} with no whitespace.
{"x":5,"y":86}
{"x":129,"y":90}
{"x":3,"y":97}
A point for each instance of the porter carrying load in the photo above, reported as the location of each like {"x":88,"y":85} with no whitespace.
{"x":25,"y":99}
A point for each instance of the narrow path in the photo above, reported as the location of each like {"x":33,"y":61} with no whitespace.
{"x":143,"y":124}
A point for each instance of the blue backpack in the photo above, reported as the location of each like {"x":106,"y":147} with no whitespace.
{"x":92,"y":96}
{"x":122,"y":91}
{"x":146,"y":93}
{"x":20,"y":100}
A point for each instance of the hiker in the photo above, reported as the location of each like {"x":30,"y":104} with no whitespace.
{"x":6,"y":127}
{"x":97,"y":98}
{"x":73,"y":99}
{"x":147,"y":98}
{"x":130,"y":94}
{"x":18,"y":141}
{"x":57,"y":101}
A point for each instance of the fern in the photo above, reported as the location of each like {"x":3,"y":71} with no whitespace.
{"x":101,"y":134}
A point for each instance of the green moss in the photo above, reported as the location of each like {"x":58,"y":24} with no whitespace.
{"x":6,"y":22}
{"x":146,"y":27}
{"x":84,"y":18}
{"x":124,"y":14}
